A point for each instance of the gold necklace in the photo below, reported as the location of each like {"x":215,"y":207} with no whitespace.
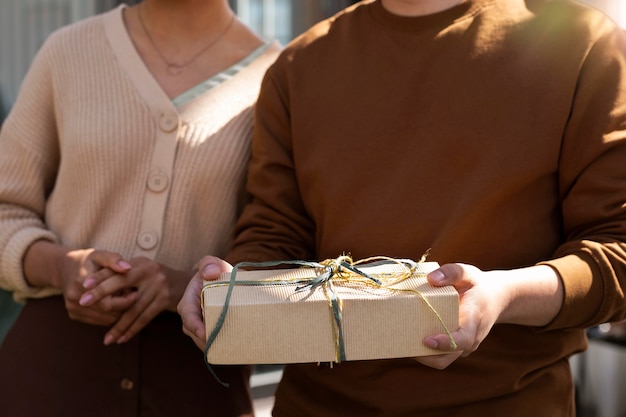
{"x":172,"y":67}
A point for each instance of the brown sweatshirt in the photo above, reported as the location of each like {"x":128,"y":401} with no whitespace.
{"x":494,"y":134}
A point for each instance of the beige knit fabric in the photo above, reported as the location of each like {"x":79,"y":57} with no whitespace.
{"x":94,"y":154}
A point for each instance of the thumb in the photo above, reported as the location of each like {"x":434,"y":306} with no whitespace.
{"x":447,"y":274}
{"x":211,"y":267}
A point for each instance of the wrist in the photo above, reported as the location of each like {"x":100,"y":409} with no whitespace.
{"x":535,"y":296}
{"x":42,"y":264}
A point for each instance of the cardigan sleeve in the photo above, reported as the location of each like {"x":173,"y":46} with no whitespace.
{"x":29,"y":157}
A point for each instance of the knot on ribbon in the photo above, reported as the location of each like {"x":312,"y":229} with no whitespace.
{"x":341,"y":268}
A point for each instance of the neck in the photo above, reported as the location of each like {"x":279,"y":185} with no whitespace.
{"x":418,"y":7}
{"x":184,"y":18}
{"x":179,"y":33}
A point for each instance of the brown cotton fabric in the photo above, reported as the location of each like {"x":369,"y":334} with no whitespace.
{"x":494,"y":134}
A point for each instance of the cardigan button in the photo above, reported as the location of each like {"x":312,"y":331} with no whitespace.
{"x":127,"y":384}
{"x":147,"y":240}
{"x":157,"y":181}
{"x":168,"y":122}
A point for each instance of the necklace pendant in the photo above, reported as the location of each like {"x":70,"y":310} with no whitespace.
{"x":174,"y":69}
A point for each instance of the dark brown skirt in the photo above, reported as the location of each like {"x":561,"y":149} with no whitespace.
{"x":51,"y":365}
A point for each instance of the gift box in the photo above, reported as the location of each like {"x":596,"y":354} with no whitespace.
{"x":297,"y":315}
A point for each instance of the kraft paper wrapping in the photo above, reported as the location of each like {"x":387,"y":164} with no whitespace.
{"x":272,"y":323}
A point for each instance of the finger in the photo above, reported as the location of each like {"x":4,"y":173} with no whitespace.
{"x":111,"y":260}
{"x":97,"y":277}
{"x":148,"y":305}
{"x":108,"y":263}
{"x":442,"y":342}
{"x":211,"y":267}
{"x":141,"y":321}
{"x":106,"y":288}
{"x":448,"y":274}
{"x":463,"y":340}
{"x":438,"y":361}
{"x":90,"y":316}
{"x":130,"y":323}
{"x":191,"y":312}
{"x":117,"y":303}
{"x":104,"y":313}
{"x":198,"y":341}
{"x":72,"y":293}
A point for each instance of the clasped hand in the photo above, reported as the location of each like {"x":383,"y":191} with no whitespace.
{"x":101,"y":288}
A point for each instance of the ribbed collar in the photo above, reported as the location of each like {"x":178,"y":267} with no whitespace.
{"x":465,"y":10}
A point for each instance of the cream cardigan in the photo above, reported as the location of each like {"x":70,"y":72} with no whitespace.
{"x":94,"y":154}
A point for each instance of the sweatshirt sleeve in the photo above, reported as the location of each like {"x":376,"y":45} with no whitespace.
{"x":592,"y":262}
{"x":28,"y":163}
{"x":275,"y":225}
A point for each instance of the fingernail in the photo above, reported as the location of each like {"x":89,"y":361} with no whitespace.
{"x":108,"y":339}
{"x":122,"y":339}
{"x":89,"y":283}
{"x":124,"y":264}
{"x":210,"y":270}
{"x":431,"y":343}
{"x":85,"y":299}
{"x":437,"y":276}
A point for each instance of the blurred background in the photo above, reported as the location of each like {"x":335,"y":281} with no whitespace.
{"x":600,"y":373}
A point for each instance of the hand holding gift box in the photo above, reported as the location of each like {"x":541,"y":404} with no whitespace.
{"x":332,"y":311}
